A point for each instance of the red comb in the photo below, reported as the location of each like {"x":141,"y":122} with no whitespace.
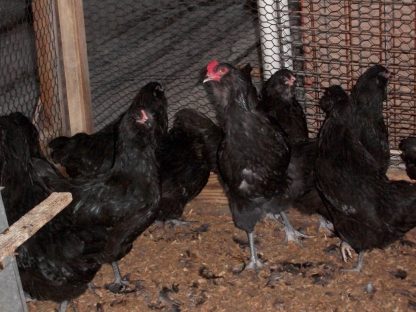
{"x":212,"y":65}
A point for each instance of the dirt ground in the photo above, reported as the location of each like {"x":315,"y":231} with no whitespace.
{"x":196,"y":268}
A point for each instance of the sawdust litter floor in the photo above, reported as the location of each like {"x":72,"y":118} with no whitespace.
{"x":196,"y":268}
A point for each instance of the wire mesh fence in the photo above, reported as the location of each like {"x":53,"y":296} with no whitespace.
{"x":133,"y":42}
{"x":324,"y":41}
{"x":341,"y":39}
{"x":28,"y":62}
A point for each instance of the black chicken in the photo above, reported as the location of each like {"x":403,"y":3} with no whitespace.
{"x":53,"y":263}
{"x":187,"y":155}
{"x":109,"y":210}
{"x":253,"y":156}
{"x":278,"y":101}
{"x":367,"y":210}
{"x":368,"y":95}
{"x":279,"y":104}
{"x":124,"y":200}
{"x":84,"y":154}
{"x":408,"y":148}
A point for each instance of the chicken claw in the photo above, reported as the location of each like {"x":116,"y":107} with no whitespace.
{"x":292,"y":235}
{"x":346,"y":251}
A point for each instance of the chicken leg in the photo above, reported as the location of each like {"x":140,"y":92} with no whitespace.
{"x":119,"y":285}
{"x":63,"y":306}
{"x":255,"y":263}
{"x":292,"y":235}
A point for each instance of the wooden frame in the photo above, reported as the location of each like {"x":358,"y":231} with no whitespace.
{"x":62,"y":53}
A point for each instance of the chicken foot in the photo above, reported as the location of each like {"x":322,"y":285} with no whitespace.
{"x":346,"y":253}
{"x":292,"y":235}
{"x":119,"y":285}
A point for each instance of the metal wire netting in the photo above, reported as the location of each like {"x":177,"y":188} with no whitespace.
{"x":333,"y":42}
{"x":132,"y":42}
{"x":28,"y":62}
{"x":324,"y":41}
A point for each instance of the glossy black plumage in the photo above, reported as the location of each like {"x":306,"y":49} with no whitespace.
{"x":52,"y":263}
{"x":109,"y":210}
{"x":84,"y":154}
{"x":124,"y":200}
{"x":253,"y":156}
{"x":279,"y":104}
{"x":278,"y":101}
{"x":367,"y":210}
{"x":368,"y":95}
{"x":408,"y":148}
{"x":301,"y":173}
{"x":187,"y":156}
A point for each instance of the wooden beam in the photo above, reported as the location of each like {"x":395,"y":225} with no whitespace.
{"x":75,"y":65}
{"x":46,"y":57}
{"x":31,"y":222}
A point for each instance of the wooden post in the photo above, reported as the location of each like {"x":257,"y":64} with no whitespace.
{"x":75,"y":65}
{"x":45,"y":115}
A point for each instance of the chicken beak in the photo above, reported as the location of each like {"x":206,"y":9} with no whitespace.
{"x":207,"y":78}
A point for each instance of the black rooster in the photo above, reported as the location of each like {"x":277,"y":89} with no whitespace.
{"x":367,"y":210}
{"x":408,"y":148}
{"x":253,"y":156}
{"x":187,"y":156}
{"x":368,"y":95}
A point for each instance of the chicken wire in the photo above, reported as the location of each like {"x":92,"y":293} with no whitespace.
{"x":324,"y":41}
{"x":28,"y":63}
{"x":132,"y":42}
{"x":333,"y":42}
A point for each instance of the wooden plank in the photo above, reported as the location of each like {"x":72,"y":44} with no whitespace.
{"x":75,"y":65}
{"x":31,"y":222}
